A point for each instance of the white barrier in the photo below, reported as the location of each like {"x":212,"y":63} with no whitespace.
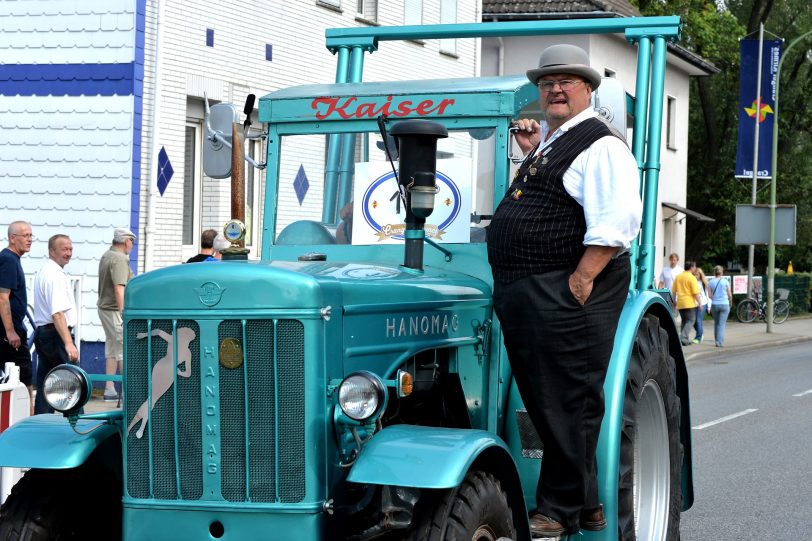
{"x":15,"y":405}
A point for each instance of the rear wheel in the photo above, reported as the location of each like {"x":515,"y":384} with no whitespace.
{"x":476,"y":510}
{"x":747,"y":311}
{"x":62,"y":505}
{"x":780,"y":311}
{"x":650,"y":491}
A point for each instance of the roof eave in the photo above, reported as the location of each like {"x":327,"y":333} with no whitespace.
{"x":694,"y":64}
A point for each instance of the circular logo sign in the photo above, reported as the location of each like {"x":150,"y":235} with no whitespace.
{"x":380,"y":207}
{"x":210,"y":293}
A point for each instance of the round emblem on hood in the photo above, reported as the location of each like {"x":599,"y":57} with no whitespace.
{"x":210,"y":293}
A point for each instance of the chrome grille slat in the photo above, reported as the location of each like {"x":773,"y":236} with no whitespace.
{"x":261,"y":455}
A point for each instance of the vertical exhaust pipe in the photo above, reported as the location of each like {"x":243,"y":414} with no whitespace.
{"x":417,"y":146}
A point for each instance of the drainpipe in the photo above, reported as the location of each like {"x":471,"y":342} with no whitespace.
{"x":500,"y":57}
{"x":155,"y":116}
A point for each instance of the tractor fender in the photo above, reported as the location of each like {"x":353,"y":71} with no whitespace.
{"x":638,"y":304}
{"x":48,"y":442}
{"x":422,"y":456}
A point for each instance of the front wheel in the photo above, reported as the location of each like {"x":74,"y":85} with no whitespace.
{"x":747,"y":311}
{"x":650,"y":488}
{"x":62,"y":505}
{"x":476,"y":510}
{"x":780,"y":311}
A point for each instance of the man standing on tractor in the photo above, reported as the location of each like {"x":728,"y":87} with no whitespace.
{"x":558,"y":247}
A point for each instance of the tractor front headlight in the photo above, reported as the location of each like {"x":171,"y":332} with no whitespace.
{"x":66,"y":388}
{"x":361,"y":395}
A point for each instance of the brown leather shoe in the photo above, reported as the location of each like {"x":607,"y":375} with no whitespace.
{"x":544,"y":526}
{"x":593,"y":519}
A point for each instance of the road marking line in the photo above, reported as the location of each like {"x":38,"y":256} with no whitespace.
{"x":723,"y":419}
{"x":803,"y":393}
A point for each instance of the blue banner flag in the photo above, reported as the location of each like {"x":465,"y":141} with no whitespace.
{"x":750,"y":113}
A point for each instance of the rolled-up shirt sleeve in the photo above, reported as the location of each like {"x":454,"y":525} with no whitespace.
{"x":604,"y":180}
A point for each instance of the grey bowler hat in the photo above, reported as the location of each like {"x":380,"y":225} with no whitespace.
{"x":565,"y":58}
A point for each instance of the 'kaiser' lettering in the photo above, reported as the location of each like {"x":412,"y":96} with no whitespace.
{"x":348,"y":108}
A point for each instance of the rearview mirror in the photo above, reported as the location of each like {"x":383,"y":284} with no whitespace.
{"x":217,"y":146}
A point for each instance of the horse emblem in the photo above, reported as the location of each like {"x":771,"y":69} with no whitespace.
{"x":162,"y":378}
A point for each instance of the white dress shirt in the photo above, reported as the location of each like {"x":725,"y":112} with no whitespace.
{"x":53,"y":294}
{"x":605,"y":181}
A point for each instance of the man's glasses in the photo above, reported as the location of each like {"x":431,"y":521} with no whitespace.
{"x":565,"y":84}
{"x":26,"y":236}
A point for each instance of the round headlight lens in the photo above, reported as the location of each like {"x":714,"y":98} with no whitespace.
{"x":63,"y":388}
{"x":361,"y":395}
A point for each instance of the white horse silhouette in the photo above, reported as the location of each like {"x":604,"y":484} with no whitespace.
{"x":162,"y":378}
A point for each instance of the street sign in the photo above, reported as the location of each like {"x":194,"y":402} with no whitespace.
{"x":753,"y":224}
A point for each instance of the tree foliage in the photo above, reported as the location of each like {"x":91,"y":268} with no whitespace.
{"x":713,"y":30}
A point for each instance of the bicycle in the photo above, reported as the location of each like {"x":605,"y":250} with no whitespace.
{"x":751,"y":309}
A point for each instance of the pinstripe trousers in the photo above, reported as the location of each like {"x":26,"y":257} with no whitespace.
{"x":559,"y":352}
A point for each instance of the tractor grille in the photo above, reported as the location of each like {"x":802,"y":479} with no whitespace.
{"x":259,"y":434}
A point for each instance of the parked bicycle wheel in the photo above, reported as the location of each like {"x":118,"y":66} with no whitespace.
{"x":780,"y":311}
{"x":747,"y":311}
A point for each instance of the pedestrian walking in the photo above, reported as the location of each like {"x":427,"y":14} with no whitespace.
{"x":14,"y":303}
{"x":666,"y":278}
{"x":114,"y":273}
{"x":54,"y":316}
{"x":721,"y":300}
{"x":686,"y":292}
{"x":702,"y":308}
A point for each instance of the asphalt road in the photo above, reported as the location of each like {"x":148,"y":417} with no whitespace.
{"x":751,"y":418}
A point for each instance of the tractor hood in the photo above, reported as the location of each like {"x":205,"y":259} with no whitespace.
{"x":262,"y":285}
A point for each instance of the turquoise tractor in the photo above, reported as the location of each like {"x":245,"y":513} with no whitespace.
{"x":352,"y":382}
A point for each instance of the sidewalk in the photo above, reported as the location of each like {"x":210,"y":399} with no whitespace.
{"x":748,"y":336}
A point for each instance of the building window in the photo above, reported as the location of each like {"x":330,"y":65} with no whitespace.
{"x":671,"y":123}
{"x":191,"y":187}
{"x":332,"y":4}
{"x":413,"y":12}
{"x":448,"y":15}
{"x":367,"y":10}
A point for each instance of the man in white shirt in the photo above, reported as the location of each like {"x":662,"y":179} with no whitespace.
{"x":54,"y":315}
{"x":558,"y":248}
{"x":666,"y":278}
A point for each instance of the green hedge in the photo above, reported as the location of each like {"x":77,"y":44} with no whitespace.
{"x":798,"y":284}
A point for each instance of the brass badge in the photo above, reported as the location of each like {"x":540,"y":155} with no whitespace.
{"x":231,"y":353}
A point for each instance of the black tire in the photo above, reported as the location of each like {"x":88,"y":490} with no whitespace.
{"x":476,"y":510}
{"x":62,"y":505}
{"x":747,"y":311}
{"x":648,"y":505}
{"x":780,"y":311}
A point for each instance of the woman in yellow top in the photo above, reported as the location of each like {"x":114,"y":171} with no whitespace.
{"x":686,"y":292}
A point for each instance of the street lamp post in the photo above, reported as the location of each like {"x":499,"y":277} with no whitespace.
{"x":771,"y":242}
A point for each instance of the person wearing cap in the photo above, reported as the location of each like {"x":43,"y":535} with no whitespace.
{"x":54,"y":316}
{"x":218,"y":245}
{"x":14,"y":302}
{"x":558,"y":248}
{"x":114,"y":273}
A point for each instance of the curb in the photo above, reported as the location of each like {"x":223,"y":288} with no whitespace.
{"x":718,"y":352}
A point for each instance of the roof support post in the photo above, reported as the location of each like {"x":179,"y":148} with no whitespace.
{"x":645,"y":262}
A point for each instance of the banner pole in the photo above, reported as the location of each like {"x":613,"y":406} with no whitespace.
{"x":751,"y":248}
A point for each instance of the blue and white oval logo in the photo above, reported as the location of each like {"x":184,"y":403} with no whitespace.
{"x":210,"y":293}
{"x":379,"y":207}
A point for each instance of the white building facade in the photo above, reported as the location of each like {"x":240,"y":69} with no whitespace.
{"x":83,"y":122}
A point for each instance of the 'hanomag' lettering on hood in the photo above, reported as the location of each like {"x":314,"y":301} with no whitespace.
{"x":438,"y":324}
